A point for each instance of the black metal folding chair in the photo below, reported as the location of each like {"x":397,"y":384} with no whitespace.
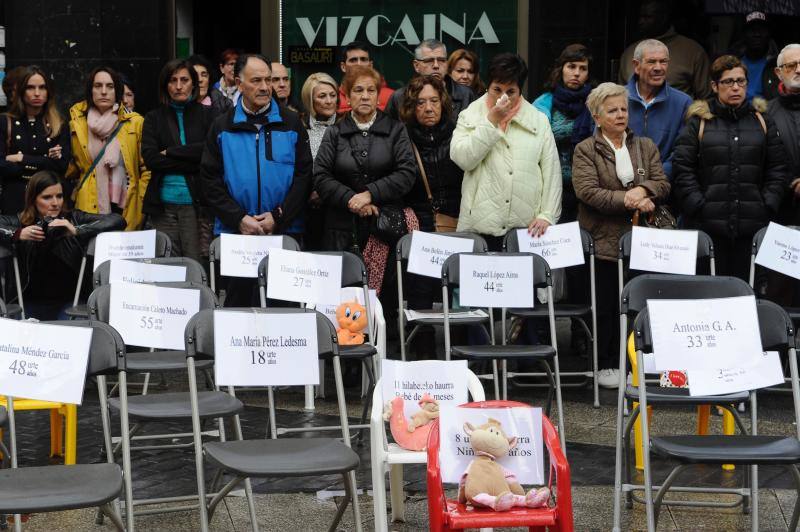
{"x":214,"y":258}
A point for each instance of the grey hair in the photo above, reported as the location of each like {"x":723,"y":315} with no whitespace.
{"x":601,"y":93}
{"x":430,"y":44}
{"x":648,"y":44}
{"x":793,"y":46}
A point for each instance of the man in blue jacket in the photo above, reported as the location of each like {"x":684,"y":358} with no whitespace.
{"x":656,"y":110}
{"x":256,"y":170}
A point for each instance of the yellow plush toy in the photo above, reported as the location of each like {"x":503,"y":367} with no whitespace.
{"x":352,"y":319}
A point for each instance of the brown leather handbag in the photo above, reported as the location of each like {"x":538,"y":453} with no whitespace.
{"x":442,"y":223}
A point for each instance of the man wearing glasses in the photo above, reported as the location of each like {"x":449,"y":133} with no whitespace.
{"x":655,"y":109}
{"x":430,"y":58}
{"x":357,"y":54}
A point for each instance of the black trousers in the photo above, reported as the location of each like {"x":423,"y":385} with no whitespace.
{"x":607,"y":293}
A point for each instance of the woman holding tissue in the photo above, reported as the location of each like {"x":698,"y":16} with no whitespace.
{"x":512,"y":176}
{"x":614,"y":174}
{"x":49,"y":241}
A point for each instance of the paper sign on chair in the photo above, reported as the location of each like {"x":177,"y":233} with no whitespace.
{"x":663,"y":250}
{"x":304,"y":277}
{"x":496,"y":281}
{"x":241,"y":254}
{"x":124,"y":245}
{"x":42,"y":361}
{"x":444,"y":381}
{"x":429,"y":251}
{"x":780,"y":250}
{"x":560,"y":245}
{"x":129,"y":271}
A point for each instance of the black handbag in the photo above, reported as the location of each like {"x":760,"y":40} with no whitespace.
{"x":390,"y":224}
{"x":661,"y":217}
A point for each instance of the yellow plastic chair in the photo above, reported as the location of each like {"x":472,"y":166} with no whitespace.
{"x":63,"y":436}
{"x":703,"y":416}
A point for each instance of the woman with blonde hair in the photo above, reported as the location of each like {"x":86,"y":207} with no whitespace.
{"x":463,"y":67}
{"x":319,"y":95}
{"x":33,"y":136}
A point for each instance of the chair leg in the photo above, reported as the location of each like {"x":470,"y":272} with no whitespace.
{"x":109,"y":512}
{"x":251,"y":503}
{"x":496,"y":379}
{"x":342,"y":506}
{"x":673,"y":475}
{"x":397,"y":493}
{"x":369,"y":369}
{"x":754,"y":497}
{"x":551,"y":389}
{"x":351,"y":476}
{"x":796,"y":513}
{"x":378,"y":491}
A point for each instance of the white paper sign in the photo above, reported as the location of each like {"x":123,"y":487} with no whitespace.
{"x":443,"y":381}
{"x":496,"y":281}
{"x":43,"y":362}
{"x":524,"y":423}
{"x":304,"y":277}
{"x":124,"y":245}
{"x":560,"y":245}
{"x":704,"y":334}
{"x":348,"y":293}
{"x":129,"y":271}
{"x":429,"y":251}
{"x":241,"y":254}
{"x":152,"y":316}
{"x":780,"y":250}
{"x":664,"y":250}
{"x":255,"y":349}
{"x":767,"y":371}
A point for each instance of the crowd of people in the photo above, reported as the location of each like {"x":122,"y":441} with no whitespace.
{"x":352,"y":165}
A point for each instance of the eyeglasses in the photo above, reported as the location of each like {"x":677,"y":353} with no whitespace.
{"x":790,"y":67}
{"x":429,"y":60}
{"x":728,"y":82}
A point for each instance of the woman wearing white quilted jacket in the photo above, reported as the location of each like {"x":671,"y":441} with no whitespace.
{"x":512,"y":177}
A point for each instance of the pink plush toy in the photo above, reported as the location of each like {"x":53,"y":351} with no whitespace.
{"x":411,"y":435}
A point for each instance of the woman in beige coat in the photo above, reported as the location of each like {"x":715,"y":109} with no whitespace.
{"x":614,"y":174}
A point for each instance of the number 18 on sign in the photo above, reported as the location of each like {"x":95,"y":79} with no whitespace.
{"x":496,"y":281}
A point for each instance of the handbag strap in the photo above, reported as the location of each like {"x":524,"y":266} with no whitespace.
{"x":99,"y":156}
{"x":424,"y":174}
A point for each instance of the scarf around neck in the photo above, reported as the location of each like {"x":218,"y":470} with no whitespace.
{"x":109,"y":173}
{"x":572,"y":104}
{"x":788,"y":99}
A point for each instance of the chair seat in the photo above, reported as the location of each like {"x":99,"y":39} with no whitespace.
{"x":58,"y":487}
{"x":353,"y":351}
{"x":284,"y":457}
{"x":78,"y":311}
{"x":176,"y":405}
{"x":12,"y":309}
{"x":162,"y":361}
{"x":454,"y":318}
{"x":680,"y":396}
{"x":398,"y":455}
{"x":561,"y":310}
{"x":459,"y":517}
{"x":492,"y":352}
{"x":737,"y":449}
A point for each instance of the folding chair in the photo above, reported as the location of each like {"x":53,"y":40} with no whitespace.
{"x":354,"y":273}
{"x":390,"y":457}
{"x":777,"y":333}
{"x":214,"y":257}
{"x":705,"y":252}
{"x":166,"y":407}
{"x":288,"y":457}
{"x":634,"y":299}
{"x":6,"y":254}
{"x":402,"y":253}
{"x":542,"y":354}
{"x":758,"y":238}
{"x":80,"y":310}
{"x":574,"y":311}
{"x":57,"y":488}
{"x":445,"y":514}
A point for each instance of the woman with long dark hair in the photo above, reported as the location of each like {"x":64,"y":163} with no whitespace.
{"x":33,"y":136}
{"x":49,"y":240}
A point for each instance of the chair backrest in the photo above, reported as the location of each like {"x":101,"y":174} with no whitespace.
{"x":705,"y":246}
{"x":758,"y":238}
{"x":107,"y":350}
{"x":511,"y":242}
{"x":665,"y":286}
{"x":404,"y":244}
{"x":354,"y":273}
{"x":451,"y":268}
{"x":199,"y":333}
{"x":163,"y":245}
{"x":194,"y":271}
{"x":99,"y":300}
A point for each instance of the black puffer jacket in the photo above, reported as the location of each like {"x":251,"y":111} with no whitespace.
{"x":49,"y":269}
{"x":785,"y":112}
{"x":731,"y":183}
{"x":444,"y":176}
{"x":350,"y":161}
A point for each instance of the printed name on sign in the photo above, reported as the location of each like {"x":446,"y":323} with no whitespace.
{"x":259,"y":349}
{"x":525,"y":459}
{"x":780,"y":250}
{"x":496,"y":280}
{"x":124,"y":245}
{"x":129,"y":271}
{"x":152,"y":316}
{"x":663,"y":250}
{"x":43,"y":362}
{"x":704,"y":334}
{"x":304,"y":277}
{"x":240,"y":255}
{"x":766,"y":371}
{"x":560,"y":245}
{"x":429,"y":251}
{"x":443,"y":381}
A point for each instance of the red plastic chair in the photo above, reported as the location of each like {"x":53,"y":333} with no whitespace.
{"x":446,"y":515}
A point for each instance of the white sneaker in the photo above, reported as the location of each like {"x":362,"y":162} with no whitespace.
{"x":608,"y":378}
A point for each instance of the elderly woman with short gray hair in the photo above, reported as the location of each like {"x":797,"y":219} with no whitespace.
{"x":615,"y":174}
